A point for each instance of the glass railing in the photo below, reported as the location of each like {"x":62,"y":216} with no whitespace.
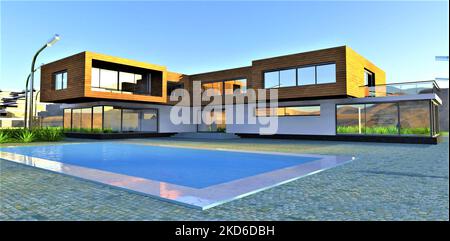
{"x":405,"y":88}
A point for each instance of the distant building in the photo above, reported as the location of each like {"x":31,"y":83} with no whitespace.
{"x":12,"y":110}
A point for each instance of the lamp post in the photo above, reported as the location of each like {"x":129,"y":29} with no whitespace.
{"x":35,"y":102}
{"x":25,"y":121}
{"x":48,"y":44}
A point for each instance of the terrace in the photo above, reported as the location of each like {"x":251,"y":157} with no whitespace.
{"x":404,"y":88}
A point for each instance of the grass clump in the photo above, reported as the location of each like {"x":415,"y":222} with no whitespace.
{"x":26,"y":136}
{"x":12,"y":135}
{"x":383,"y":130}
{"x":4,"y":138}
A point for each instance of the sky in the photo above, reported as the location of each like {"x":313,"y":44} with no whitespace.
{"x":400,"y":37}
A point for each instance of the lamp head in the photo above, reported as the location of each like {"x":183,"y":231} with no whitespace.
{"x":52,"y":41}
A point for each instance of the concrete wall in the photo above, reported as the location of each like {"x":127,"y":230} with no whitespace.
{"x":166,"y":126}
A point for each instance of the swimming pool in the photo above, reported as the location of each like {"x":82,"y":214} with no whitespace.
{"x":200,"y":178}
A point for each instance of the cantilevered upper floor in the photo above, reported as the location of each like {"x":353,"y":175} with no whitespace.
{"x":87,"y":76}
{"x":327,"y":73}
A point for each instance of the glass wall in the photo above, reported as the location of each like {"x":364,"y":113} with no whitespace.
{"x":67,"y":118}
{"x":76,"y":118}
{"x":130,"y":120}
{"x":111,"y":119}
{"x":86,"y":118}
{"x":97,"y":117}
{"x":310,"y":75}
{"x":409,"y":118}
{"x":382,"y":119}
{"x":350,"y":119}
{"x":412,"y":118}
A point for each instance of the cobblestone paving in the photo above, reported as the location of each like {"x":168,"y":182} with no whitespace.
{"x":386,"y":182}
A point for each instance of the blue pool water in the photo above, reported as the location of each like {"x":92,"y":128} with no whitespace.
{"x":182,"y":166}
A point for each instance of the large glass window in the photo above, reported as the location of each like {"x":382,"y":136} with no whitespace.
{"x":326,"y":74}
{"x":60,"y":80}
{"x":306,"y":75}
{"x":302,"y":110}
{"x":382,"y":119}
{"x":112,"y":118}
{"x":76,"y":119}
{"x":95,"y":78}
{"x":97,"y":117}
{"x":86,"y":118}
{"x":67,"y":118}
{"x":127,"y":81}
{"x":130,"y":120}
{"x":288,"y":78}
{"x":215,"y":88}
{"x":271,"y":79}
{"x":414,"y":118}
{"x":350,"y":119}
{"x":270,"y":111}
{"x":232,"y":85}
{"x":318,"y":74}
{"x":108,"y":79}
{"x":398,"y":118}
{"x":289,"y":111}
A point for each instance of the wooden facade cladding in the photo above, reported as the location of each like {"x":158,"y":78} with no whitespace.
{"x":349,"y":77}
{"x":75,"y":67}
{"x":79,"y":69}
{"x":178,"y":78}
{"x":221,"y":75}
{"x":355,"y":74}
{"x":332,"y":55}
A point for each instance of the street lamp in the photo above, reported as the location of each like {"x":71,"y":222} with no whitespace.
{"x":51,"y":42}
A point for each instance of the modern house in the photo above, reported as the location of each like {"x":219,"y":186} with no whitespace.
{"x":329,"y":94}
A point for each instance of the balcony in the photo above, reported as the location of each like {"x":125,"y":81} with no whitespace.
{"x":405,"y":88}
